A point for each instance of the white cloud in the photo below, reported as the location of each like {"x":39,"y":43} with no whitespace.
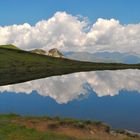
{"x":110,"y":35}
{"x":61,"y":31}
{"x":69,"y":33}
{"x":68,"y":87}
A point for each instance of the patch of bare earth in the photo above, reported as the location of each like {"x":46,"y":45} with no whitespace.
{"x":91,"y":131}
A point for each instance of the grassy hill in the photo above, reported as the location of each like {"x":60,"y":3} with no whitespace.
{"x":19,"y":66}
{"x":15,"y":127}
{"x":9,"y":47}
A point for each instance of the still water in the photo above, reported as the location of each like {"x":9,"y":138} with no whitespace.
{"x":109,"y":96}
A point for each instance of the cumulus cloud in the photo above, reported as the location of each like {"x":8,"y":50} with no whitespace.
{"x":61,"y":31}
{"x":73,"y":33}
{"x":68,"y":87}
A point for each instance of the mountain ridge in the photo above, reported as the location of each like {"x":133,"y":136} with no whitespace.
{"x":108,"y":57}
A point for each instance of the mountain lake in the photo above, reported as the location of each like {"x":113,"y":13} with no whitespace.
{"x":112,"y":97}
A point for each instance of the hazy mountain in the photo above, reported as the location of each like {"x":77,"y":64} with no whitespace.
{"x":104,"y":57}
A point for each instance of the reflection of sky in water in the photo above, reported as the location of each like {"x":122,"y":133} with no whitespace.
{"x":85,"y":96}
{"x":68,"y":87}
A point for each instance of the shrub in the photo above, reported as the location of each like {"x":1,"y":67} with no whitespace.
{"x":53,"y":126}
{"x":88,"y":122}
{"x":80,"y":125}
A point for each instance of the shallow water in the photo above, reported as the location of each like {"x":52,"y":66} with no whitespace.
{"x":109,"y":96}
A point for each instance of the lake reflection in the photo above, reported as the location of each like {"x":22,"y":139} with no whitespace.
{"x":68,"y":87}
{"x":110,"y":96}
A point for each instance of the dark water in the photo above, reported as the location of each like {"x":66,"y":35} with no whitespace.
{"x":109,"y":96}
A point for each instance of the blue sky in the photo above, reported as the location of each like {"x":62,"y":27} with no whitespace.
{"x":32,"y":11}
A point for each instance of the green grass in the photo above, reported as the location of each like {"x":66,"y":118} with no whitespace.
{"x":13,"y":131}
{"x":9,"y":131}
{"x":9,"y":47}
{"x":19,"y":66}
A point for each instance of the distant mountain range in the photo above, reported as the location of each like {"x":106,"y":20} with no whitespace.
{"x":107,"y":57}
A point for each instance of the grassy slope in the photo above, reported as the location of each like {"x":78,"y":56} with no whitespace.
{"x":9,"y":47}
{"x":13,"y":131}
{"x":19,"y":66}
{"x":13,"y":127}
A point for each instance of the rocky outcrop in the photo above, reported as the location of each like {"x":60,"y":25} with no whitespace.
{"x":39,"y":51}
{"x":55,"y":53}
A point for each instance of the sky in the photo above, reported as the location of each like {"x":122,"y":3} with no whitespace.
{"x":84,"y":25}
{"x":32,"y":11}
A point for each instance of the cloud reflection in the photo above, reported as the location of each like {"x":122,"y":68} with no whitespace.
{"x":68,"y":87}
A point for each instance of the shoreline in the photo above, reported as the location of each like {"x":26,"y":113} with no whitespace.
{"x":66,"y":127}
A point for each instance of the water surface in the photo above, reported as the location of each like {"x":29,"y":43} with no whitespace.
{"x":109,"y":96}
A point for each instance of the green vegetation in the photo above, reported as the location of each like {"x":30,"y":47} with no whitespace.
{"x":15,"y":132}
{"x":19,"y":66}
{"x":15,"y":127}
{"x":11,"y":131}
{"x":9,"y":47}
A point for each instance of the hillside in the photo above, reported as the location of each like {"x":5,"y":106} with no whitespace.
{"x":15,"y":127}
{"x":9,"y":47}
{"x":20,"y":66}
